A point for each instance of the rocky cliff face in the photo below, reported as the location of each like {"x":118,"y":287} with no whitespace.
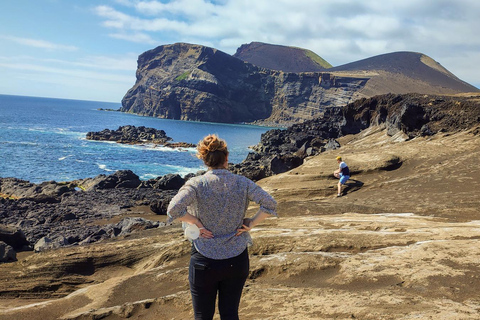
{"x":193,"y":82}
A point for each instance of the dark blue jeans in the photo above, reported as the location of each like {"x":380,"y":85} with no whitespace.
{"x":209,"y":276}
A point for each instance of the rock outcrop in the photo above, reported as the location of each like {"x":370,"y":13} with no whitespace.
{"x":7,"y":254}
{"x":130,"y":135}
{"x":198,"y":83}
{"x":404,"y":116}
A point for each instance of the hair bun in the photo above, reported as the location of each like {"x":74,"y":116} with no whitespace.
{"x":206,"y":149}
{"x":213,"y":144}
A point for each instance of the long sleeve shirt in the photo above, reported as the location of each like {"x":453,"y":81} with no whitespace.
{"x":219,"y":199}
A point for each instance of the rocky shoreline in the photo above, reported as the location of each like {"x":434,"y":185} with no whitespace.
{"x":53,"y":214}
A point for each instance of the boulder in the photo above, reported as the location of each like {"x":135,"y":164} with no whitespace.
{"x":13,"y":237}
{"x":119,"y":179}
{"x":46,"y":243}
{"x":129,"y":225}
{"x":169,"y":182}
{"x":7,"y":254}
{"x":45,"y":192}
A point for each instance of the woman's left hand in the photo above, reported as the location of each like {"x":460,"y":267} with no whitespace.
{"x":245,"y":227}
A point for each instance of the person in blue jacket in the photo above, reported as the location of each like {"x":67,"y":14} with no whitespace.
{"x":342,"y":173}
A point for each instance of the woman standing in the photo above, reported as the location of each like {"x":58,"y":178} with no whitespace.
{"x":216,"y":203}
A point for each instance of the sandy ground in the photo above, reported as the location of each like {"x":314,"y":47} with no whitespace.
{"x":402,"y":243}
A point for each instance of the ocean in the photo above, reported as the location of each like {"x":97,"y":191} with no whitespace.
{"x":43,"y":139}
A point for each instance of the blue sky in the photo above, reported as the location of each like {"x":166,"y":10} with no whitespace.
{"x":88,"y":49}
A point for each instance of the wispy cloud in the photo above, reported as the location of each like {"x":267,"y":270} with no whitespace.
{"x":125,"y":62}
{"x":137,"y":37}
{"x":39,"y":43}
{"x":77,"y":73}
{"x":121,"y":21}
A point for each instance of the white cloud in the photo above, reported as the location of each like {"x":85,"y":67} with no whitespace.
{"x":340,"y":31}
{"x":185,"y":8}
{"x":77,"y":73}
{"x":39,"y":43}
{"x":137,"y":37}
{"x":126,"y":62}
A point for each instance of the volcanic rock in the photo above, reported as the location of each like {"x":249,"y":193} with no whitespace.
{"x":130,"y":135}
{"x":13,"y":236}
{"x":7,"y":254}
{"x":73,"y":217}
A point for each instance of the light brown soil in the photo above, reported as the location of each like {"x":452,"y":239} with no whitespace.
{"x":402,"y":243}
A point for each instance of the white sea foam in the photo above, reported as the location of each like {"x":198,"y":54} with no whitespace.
{"x":183,"y":170}
{"x":104,"y":167}
{"x":63,"y":158}
{"x":148,"y":146}
{"x":25,"y":143}
{"x":169,"y":149}
{"x":148,"y":176}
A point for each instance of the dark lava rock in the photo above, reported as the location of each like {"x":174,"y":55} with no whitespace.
{"x":130,"y":135}
{"x":7,"y":254}
{"x":13,"y":237}
{"x":73,"y":217}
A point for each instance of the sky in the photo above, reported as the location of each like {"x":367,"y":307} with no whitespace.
{"x":88,"y":50}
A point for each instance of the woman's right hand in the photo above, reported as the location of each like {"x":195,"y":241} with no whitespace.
{"x":205,"y":233}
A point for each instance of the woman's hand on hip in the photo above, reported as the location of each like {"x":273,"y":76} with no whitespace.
{"x":205,"y":233}
{"x":245,"y":226}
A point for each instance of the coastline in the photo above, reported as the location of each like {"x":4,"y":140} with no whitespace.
{"x":399,"y":238}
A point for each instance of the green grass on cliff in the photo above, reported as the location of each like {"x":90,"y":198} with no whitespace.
{"x":317,"y":59}
{"x":183,"y":76}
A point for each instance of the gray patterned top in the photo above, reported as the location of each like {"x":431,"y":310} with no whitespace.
{"x":219,"y":199}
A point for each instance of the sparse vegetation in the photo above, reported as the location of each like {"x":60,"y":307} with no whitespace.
{"x":8,"y":197}
{"x":183,"y":76}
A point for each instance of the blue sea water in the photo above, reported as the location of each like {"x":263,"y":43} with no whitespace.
{"x":43,"y":139}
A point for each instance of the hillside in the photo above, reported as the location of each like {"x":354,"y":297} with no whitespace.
{"x":282,"y":58}
{"x":272,"y":85}
{"x":402,"y":243}
{"x":391,"y":71}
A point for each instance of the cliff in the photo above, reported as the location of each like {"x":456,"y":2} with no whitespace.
{"x":193,"y":82}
